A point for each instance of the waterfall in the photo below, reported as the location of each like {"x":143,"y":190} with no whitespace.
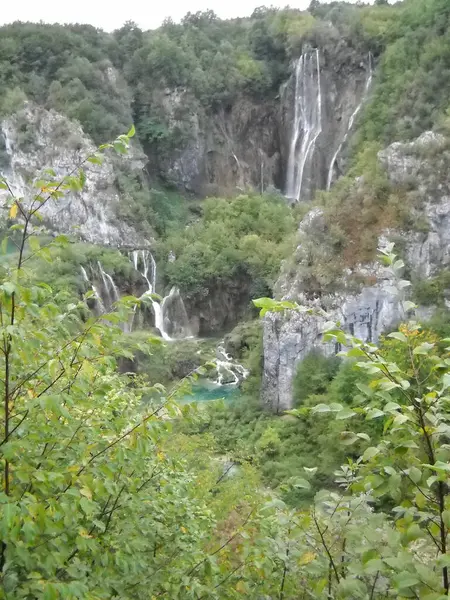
{"x":307,"y":124}
{"x":109,"y":285}
{"x":228,"y":371}
{"x":171,"y":318}
{"x":351,"y":122}
{"x":97,"y":296}
{"x":147,"y":263}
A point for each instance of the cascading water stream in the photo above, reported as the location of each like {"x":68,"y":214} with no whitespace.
{"x":110,"y":287}
{"x":170,"y":316}
{"x":144,"y":263}
{"x":350,"y":123}
{"x":227,"y":368}
{"x":307,"y":122}
{"x":97,"y":295}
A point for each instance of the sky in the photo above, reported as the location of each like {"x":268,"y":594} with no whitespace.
{"x":111,"y":14}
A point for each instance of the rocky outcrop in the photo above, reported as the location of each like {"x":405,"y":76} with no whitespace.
{"x":372,"y":309}
{"x":220,"y":307}
{"x":221,"y":153}
{"x":35,"y":139}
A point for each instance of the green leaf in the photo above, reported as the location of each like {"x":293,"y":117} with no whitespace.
{"x":299,"y":482}
{"x":415,"y":474}
{"x":348,"y":438}
{"x":370,"y":453}
{"x":406,"y":580}
{"x":424,"y":348}
{"x":321,"y":408}
{"x":345,"y":413}
{"x":374,"y":413}
{"x":132,"y":132}
{"x":95,"y":159}
{"x":365,"y":389}
{"x":446,"y":518}
{"x":34,"y":243}
{"x":8,"y":287}
{"x":398,"y":335}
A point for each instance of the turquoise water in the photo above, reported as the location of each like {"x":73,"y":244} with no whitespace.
{"x":206,"y":391}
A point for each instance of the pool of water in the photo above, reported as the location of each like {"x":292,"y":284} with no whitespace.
{"x":206,"y":391}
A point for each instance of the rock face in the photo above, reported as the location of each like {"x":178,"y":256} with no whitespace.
{"x":221,"y":308}
{"x":221,"y":153}
{"x":247,"y":145}
{"x":371,"y":310}
{"x":34,"y":139}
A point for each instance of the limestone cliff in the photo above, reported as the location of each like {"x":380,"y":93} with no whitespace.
{"x":34,"y":139}
{"x":371,"y":309}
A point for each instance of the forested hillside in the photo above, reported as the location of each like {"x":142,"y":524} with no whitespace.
{"x":224,"y":306}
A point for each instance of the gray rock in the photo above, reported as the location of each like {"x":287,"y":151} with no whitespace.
{"x":57,"y":142}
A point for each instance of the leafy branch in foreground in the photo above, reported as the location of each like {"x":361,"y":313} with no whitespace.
{"x":407,"y":470}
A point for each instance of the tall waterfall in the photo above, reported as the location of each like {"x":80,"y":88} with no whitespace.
{"x":351,"y":122}
{"x":307,"y":124}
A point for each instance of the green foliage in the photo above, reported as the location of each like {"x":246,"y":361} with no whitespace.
{"x":245,"y":343}
{"x":67,"y":68}
{"x":412,"y":87}
{"x":245,"y":237}
{"x":313,"y":376}
{"x":150,"y":210}
{"x":12,"y":99}
{"x":432,"y":291}
{"x":170,"y":363}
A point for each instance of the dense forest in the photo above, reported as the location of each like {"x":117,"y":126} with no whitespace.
{"x":138,"y":460}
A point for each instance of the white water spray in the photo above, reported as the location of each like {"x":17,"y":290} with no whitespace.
{"x":228,"y":371}
{"x":350,"y":123}
{"x":307,"y":124}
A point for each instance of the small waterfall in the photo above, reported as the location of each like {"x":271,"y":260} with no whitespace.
{"x":229,"y":372}
{"x":109,"y":286}
{"x":350,"y":122}
{"x":101,"y":310}
{"x":171,"y":318}
{"x":144,"y":262}
{"x":307,"y":124}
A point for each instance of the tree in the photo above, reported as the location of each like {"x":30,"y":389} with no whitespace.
{"x":94,"y":501}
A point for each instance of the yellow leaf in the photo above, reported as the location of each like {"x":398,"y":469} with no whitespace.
{"x":241,"y":587}
{"x":160,"y":456}
{"x":183,"y":529}
{"x":306,"y":558}
{"x":84,"y":533}
{"x":13,"y":211}
{"x":86,"y":492}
